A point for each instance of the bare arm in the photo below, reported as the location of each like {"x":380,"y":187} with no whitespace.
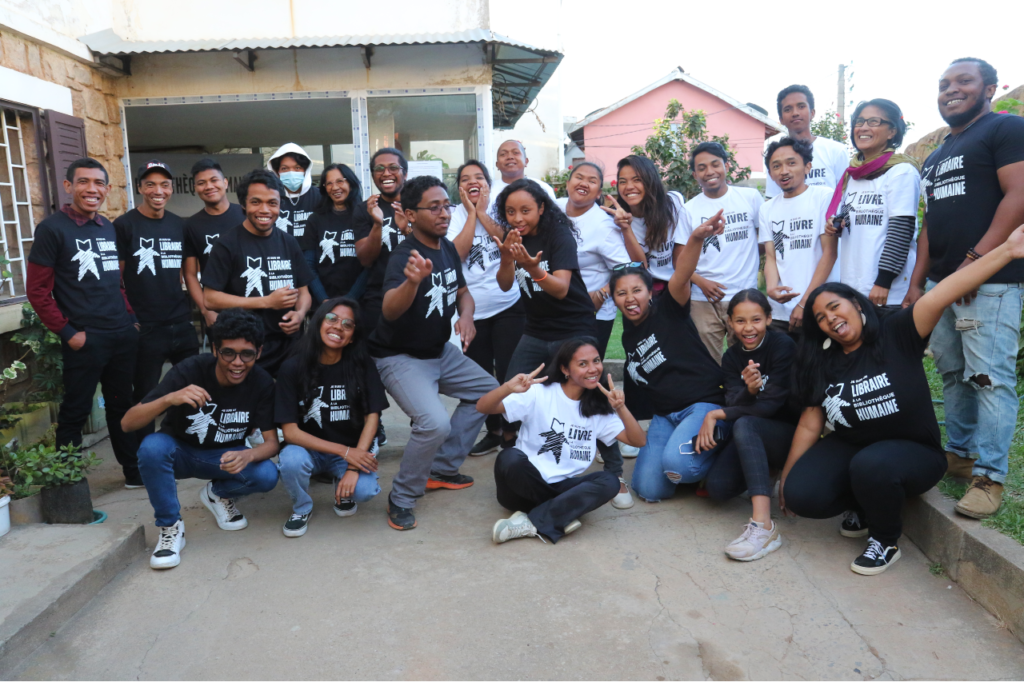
{"x":919,"y":277}
{"x":361,"y":453}
{"x":1010,"y":212}
{"x":399,"y":299}
{"x":829,"y":252}
{"x":464,"y":239}
{"x":218,"y":300}
{"x":686,"y":263}
{"x":191,"y":275}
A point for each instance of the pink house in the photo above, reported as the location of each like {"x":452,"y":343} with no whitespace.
{"x":609,"y":134}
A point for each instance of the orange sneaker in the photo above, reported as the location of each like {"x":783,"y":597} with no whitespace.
{"x":456,"y":482}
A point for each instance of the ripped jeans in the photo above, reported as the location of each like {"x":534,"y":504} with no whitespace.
{"x":668,"y":458}
{"x":975,"y":350}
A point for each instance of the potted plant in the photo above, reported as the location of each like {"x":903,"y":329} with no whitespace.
{"x":60,"y":473}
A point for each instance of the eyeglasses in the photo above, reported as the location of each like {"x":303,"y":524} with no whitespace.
{"x":394,"y":168}
{"x":346,"y":323}
{"x":248,"y":355}
{"x":436,"y":210}
{"x":623,"y":266}
{"x":870,"y":122}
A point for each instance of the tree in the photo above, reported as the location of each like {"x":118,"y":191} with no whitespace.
{"x":830,"y":126}
{"x":670,"y":145}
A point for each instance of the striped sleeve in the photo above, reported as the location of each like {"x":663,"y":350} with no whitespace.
{"x":898,"y":237}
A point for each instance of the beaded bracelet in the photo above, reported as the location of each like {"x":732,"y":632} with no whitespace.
{"x":972,"y":254}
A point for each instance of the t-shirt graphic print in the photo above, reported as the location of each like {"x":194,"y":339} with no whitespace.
{"x":730,"y":258}
{"x":645,"y":359}
{"x":443,"y":290}
{"x":105,"y":254}
{"x":331,"y":246}
{"x":231,"y":427}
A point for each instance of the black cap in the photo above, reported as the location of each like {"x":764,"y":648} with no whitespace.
{"x":155,"y":166}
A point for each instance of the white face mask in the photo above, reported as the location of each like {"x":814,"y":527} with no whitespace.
{"x":292,"y":180}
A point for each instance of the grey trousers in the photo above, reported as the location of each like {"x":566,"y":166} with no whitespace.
{"x":437,"y":444}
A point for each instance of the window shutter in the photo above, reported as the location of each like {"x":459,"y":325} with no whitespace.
{"x":65,"y":136}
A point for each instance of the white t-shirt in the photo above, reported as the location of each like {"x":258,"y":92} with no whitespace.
{"x":599,"y":249}
{"x":559,"y":441}
{"x":659,"y":259}
{"x":731,"y":258}
{"x":830,"y":159}
{"x":500,"y":184}
{"x":871,"y":204}
{"x":794,"y":227}
{"x":480,"y":268}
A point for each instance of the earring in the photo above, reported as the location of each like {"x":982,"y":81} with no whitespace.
{"x":863,"y":318}
{"x":827,"y":344}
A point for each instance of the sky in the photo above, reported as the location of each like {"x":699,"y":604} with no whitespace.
{"x":751,"y":50}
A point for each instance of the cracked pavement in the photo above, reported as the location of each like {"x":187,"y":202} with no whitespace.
{"x":644,"y":593}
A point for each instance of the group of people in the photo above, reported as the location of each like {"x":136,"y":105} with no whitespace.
{"x":320,"y":304}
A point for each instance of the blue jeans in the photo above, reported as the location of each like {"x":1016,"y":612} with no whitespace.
{"x":298,"y":464}
{"x":668,"y":458}
{"x":975,"y":350}
{"x":162,"y":459}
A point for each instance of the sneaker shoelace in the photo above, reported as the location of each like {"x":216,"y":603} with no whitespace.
{"x":851,"y":518}
{"x":520,"y":530}
{"x":229,"y":508}
{"x":983,"y":483}
{"x":748,"y":530}
{"x":167,"y":536}
{"x":296,"y":517}
{"x":874,"y":550}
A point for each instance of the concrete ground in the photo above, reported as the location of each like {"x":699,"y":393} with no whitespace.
{"x":644,"y":593}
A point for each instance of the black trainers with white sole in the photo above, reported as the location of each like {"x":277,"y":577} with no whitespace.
{"x":345,"y":508}
{"x":224,"y":510}
{"x":852,"y":526}
{"x":488,"y":444}
{"x":167,"y":553}
{"x":875,"y":558}
{"x":296,"y":525}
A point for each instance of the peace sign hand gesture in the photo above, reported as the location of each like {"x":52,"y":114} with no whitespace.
{"x":521,"y":383}
{"x":616,"y":398}
{"x":623,"y":218}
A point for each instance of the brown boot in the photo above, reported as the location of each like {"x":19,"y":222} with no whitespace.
{"x":982,"y":499}
{"x":959,"y":467}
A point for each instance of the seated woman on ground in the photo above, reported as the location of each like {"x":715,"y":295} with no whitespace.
{"x":865,"y":376}
{"x":757,"y":389}
{"x":669,"y":363}
{"x":563,"y":417}
{"x":329,"y":400}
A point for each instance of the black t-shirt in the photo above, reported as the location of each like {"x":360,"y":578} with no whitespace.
{"x":203,"y":229}
{"x":423,"y":329}
{"x":231,"y":413}
{"x":242,"y":264}
{"x":330,"y":415}
{"x":549,"y":318}
{"x":391,"y":237}
{"x":87,"y":278}
{"x":775,"y":356}
{"x":151,"y":251}
{"x":962,"y":191}
{"x":337,"y":264}
{"x":666,"y":358}
{"x":295,"y":213}
{"x":868,"y":401}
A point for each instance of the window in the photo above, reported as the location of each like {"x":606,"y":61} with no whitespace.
{"x":20,"y":148}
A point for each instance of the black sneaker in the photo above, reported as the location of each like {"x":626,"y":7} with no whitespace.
{"x":345,"y":508}
{"x":323,"y":477}
{"x":875,"y":558}
{"x":133,"y":481}
{"x":382,"y":438}
{"x":454,"y":482}
{"x":400,"y":518}
{"x":296,"y":525}
{"x":488,"y":444}
{"x":506,"y":444}
{"x":852,"y":527}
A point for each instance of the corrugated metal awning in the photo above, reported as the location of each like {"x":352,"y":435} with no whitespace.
{"x":519,"y":70}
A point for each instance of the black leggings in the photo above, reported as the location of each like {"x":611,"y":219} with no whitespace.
{"x":757,"y":445}
{"x":496,"y":339}
{"x":834,"y":476}
{"x":551,"y":506}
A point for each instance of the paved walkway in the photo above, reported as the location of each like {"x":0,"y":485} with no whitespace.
{"x":639,"y":594}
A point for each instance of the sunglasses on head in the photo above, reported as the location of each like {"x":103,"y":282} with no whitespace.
{"x":632,"y":264}
{"x":334,"y":318}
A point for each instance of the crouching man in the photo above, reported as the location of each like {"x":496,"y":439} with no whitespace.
{"x":212,"y":401}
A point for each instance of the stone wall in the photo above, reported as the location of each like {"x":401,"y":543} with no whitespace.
{"x":94,"y":101}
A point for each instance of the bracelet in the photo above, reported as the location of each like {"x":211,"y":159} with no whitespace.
{"x":972,"y":254}
{"x":537,"y":281}
{"x":799,"y":305}
{"x":347,"y":450}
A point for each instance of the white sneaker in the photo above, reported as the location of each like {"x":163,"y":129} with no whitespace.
{"x":623,"y":500}
{"x":628,"y":451}
{"x":756,"y":542}
{"x":224,"y":510}
{"x":167,"y":553}
{"x":572,"y":526}
{"x":518,"y":525}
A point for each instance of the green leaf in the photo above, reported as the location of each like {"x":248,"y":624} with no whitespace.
{"x":10,"y":374}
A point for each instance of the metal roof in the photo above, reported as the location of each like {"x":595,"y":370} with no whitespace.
{"x":679,"y":75}
{"x":519,"y":70}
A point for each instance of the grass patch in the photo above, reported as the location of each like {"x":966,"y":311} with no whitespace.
{"x":936,"y":569}
{"x":615,"y":351}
